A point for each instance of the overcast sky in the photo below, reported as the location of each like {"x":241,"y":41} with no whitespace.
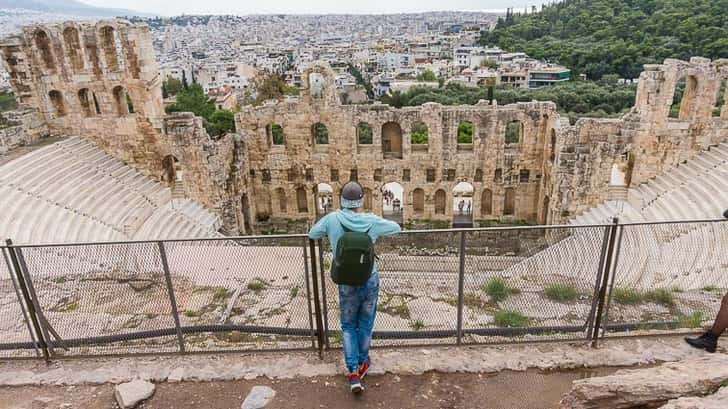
{"x":176,"y":7}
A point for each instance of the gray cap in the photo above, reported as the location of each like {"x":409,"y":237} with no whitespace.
{"x":352,"y":195}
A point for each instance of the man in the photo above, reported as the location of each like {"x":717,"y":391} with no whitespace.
{"x":709,"y":340}
{"x":358,"y":304}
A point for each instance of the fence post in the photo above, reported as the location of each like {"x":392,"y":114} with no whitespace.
{"x":605,"y":281}
{"x":316,"y":301}
{"x":28,"y":301}
{"x":324,"y":299}
{"x":308,"y":294}
{"x":595,"y":299}
{"x":461,"y":285}
{"x":172,"y":299}
{"x":613,"y":277}
{"x":20,"y":299}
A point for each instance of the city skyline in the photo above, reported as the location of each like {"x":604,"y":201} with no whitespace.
{"x":164,"y":8}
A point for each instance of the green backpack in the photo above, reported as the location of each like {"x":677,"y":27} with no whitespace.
{"x":354,"y":259}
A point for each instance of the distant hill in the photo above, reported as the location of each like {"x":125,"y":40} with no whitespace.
{"x":600,"y":37}
{"x":70,"y":7}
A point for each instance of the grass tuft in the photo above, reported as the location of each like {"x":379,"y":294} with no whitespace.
{"x":561,"y":292}
{"x":498,"y":289}
{"x":661,"y":296}
{"x":417,"y":325}
{"x":258,"y":284}
{"x":510,"y":318}
{"x":694,"y":320}
{"x":626,"y":296}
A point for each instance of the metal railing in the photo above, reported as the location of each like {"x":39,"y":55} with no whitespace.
{"x":437,"y":287}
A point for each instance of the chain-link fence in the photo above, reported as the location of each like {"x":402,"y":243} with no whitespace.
{"x":454,"y":286}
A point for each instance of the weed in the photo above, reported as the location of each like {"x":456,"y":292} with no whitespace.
{"x":257,"y":285}
{"x":417,"y":325}
{"x":150,"y":316}
{"x":191,"y":314}
{"x":220,"y":295}
{"x":69,"y":307}
{"x":661,"y":296}
{"x":510,"y":318}
{"x":395,"y":305}
{"x":337,"y":337}
{"x":472,"y":300}
{"x":294,"y":291}
{"x":561,"y":292}
{"x":447,"y":299}
{"x":497,"y":289}
{"x":626,"y":296}
{"x":711,"y":288}
{"x":694,"y":320}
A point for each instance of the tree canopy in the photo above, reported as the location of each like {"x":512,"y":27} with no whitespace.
{"x":193,"y":99}
{"x":599,"y":37}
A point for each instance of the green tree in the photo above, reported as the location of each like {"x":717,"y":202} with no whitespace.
{"x":173,"y":86}
{"x":194,"y":100}
{"x":7,"y":101}
{"x":465,"y":132}
{"x":487,"y":63}
{"x":420,"y":135}
{"x":427,"y":76}
{"x":221,"y":121}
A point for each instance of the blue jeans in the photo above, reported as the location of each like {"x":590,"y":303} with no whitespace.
{"x":358,"y":306}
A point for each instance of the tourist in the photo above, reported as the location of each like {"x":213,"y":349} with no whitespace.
{"x":470,"y":204}
{"x":358,"y":304}
{"x":709,"y":340}
{"x":460,"y":206}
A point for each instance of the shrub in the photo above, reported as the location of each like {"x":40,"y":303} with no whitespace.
{"x":417,"y":325}
{"x":626,"y":296}
{"x":510,"y":318}
{"x":258,"y":284}
{"x":561,"y":292}
{"x":694,"y":320}
{"x":661,"y":296}
{"x":710,"y":288}
{"x":497,"y":289}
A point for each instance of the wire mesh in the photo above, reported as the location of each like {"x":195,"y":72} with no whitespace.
{"x":530,"y":284}
{"x":242,"y":294}
{"x":16,"y":339}
{"x":669,"y":276}
{"x":418,"y":284}
{"x":101,"y":298}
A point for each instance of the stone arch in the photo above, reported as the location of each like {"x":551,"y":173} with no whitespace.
{"x":683,"y":99}
{"x":122,"y":102}
{"x":171,"y":167}
{"x":282,"y":200}
{"x":420,"y":135}
{"x":552,"y":150}
{"x":72,"y":42}
{"x":275,"y":134}
{"x":478,"y":175}
{"x":364,"y":134}
{"x":263,"y":205}
{"x":514,"y":132}
{"x":465,"y":132}
{"x":440,"y":201}
{"x":324,"y":199}
{"x":486,"y":202}
{"x":316,"y":84}
{"x":462,"y":199}
{"x":721,"y":100}
{"x":57,"y":102}
{"x":418,"y":200}
{"x":319,"y":134}
{"x":84,"y":99}
{"x":107,"y":35}
{"x":393,"y":202}
{"x":301,"y":200}
{"x":509,"y":201}
{"x":43,"y":43}
{"x":96,"y":103}
{"x":392,"y":140}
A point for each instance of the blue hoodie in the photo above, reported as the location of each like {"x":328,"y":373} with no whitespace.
{"x":330,"y":225}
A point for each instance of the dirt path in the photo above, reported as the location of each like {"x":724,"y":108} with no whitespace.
{"x":518,"y":390}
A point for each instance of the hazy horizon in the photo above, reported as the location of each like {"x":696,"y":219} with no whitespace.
{"x":164,"y":8}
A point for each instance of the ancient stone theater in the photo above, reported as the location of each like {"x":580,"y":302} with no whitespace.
{"x":118,"y":167}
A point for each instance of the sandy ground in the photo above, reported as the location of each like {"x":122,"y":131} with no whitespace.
{"x":531,"y":389}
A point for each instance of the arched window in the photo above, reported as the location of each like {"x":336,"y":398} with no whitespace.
{"x":275,"y":133}
{"x":364,"y":134}
{"x":43,"y":43}
{"x":509,"y":201}
{"x":513,"y":132}
{"x":282,"y":200}
{"x":301,"y":200}
{"x":486,"y":203}
{"x":418,"y":200}
{"x":320,"y":134}
{"x":108,"y":45}
{"x":478,"y":175}
{"x":96,"y":103}
{"x":440,"y":201}
{"x":683,"y":98}
{"x":465,"y":132}
{"x":85,"y":102}
{"x":73,"y":48}
{"x":121,"y":101}
{"x":420,"y":134}
{"x":392,"y":140}
{"x":57,"y":102}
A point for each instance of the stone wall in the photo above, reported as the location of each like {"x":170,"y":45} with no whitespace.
{"x":101,"y":82}
{"x":19,"y":128}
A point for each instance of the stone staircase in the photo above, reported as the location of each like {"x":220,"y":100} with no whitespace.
{"x":73,"y":191}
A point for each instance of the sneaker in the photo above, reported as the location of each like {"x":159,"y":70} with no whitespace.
{"x":707,"y":341}
{"x":355,"y":383}
{"x":363,"y":368}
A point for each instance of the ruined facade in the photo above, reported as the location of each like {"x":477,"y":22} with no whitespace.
{"x":523,"y":161}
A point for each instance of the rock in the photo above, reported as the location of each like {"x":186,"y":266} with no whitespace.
{"x":718,"y":400}
{"x":129,"y":394}
{"x":258,"y":397}
{"x":649,"y":386}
